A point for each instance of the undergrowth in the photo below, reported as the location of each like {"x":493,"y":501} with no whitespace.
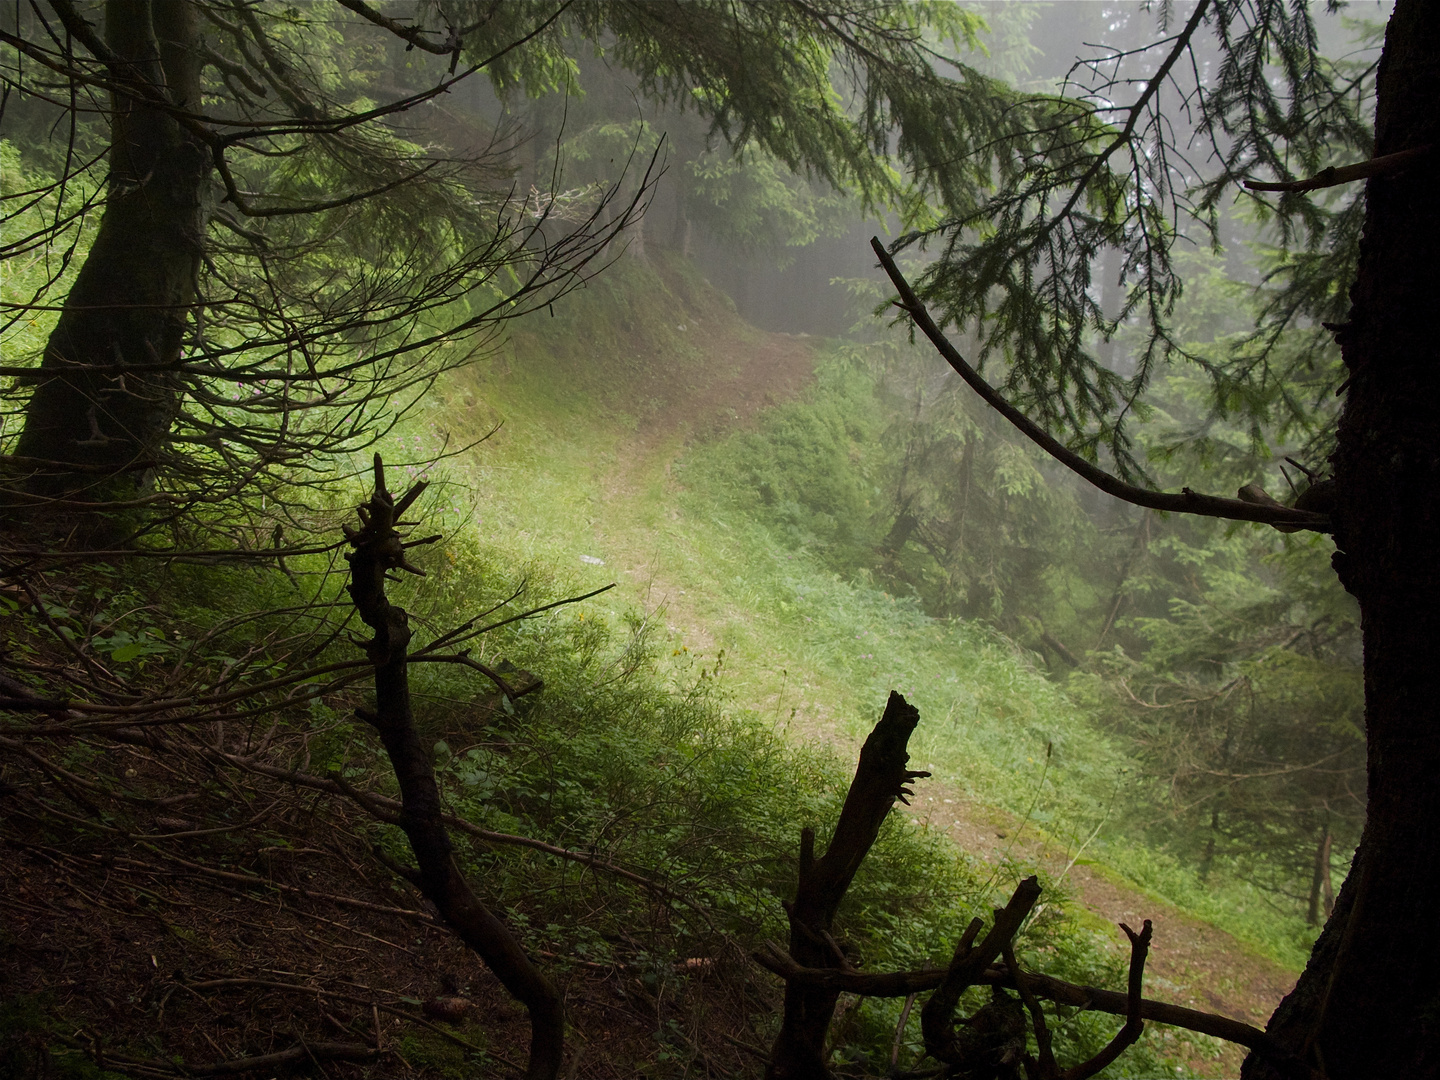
{"x":756,"y":544}
{"x":998,"y":727}
{"x":648,"y":766}
{"x":692,"y":721}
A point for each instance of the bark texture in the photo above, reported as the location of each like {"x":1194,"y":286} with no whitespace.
{"x":1368,"y":1003}
{"x":132,"y":300}
{"x":378,"y":550}
{"x":880,"y":779}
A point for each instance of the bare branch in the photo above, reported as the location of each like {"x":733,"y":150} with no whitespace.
{"x":1344,"y":174}
{"x":1185,"y":502}
{"x":413,"y":35}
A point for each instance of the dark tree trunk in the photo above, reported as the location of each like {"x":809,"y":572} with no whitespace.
{"x":1368,"y":1003}
{"x":880,"y":779}
{"x":132,"y":300}
{"x":1207,"y":861}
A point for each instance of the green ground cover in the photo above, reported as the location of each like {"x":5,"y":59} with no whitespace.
{"x":757,"y":594}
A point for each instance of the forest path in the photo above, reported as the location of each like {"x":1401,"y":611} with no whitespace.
{"x":1193,"y":962}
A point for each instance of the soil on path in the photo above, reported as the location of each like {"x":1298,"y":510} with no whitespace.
{"x":1193,"y":963}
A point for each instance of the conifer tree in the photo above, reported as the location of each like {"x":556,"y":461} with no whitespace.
{"x":1018,"y":266}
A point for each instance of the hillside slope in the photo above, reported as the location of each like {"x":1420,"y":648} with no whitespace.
{"x":588,"y":466}
{"x":214,"y":894}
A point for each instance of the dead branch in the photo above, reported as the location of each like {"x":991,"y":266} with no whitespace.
{"x":944,"y":1039}
{"x":1134,"y":1025}
{"x":378,"y":550}
{"x":1185,"y":502}
{"x":1343,"y":174}
{"x":880,"y":778}
{"x":894,"y":984}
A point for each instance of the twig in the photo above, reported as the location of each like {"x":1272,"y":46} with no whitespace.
{"x":900,"y":1032}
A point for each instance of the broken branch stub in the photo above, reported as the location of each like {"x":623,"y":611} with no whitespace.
{"x":944,"y":1040}
{"x":881,"y":777}
{"x":990,"y":1042}
{"x":379,"y":549}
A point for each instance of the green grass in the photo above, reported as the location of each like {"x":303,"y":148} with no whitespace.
{"x":756,"y":600}
{"x":702,"y":712}
{"x":655,"y":762}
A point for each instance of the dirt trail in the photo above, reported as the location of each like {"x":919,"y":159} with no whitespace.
{"x":748,"y":372}
{"x":1193,"y":963}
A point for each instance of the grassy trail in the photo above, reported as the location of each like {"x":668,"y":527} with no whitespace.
{"x":585,"y":470}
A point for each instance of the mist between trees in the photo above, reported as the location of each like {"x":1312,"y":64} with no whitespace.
{"x":252,"y":249}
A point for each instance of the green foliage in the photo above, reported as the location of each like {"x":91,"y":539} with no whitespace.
{"x":897,"y":474}
{"x":747,"y":200}
{"x":40,"y":259}
{"x":777,"y":76}
{"x":775,"y":533}
{"x":1098,"y":175}
{"x":805,"y":469}
{"x":1249,"y":708}
{"x":655,"y":766}
{"x":751,"y":202}
{"x":630,"y":754}
{"x":850,"y":530}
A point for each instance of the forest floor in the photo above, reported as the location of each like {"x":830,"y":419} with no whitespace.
{"x":278,"y":950}
{"x":1193,"y":963}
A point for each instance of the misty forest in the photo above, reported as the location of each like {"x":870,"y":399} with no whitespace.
{"x":719,"y":538}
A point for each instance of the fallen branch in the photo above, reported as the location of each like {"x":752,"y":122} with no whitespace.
{"x":1134,"y":1023}
{"x":306,"y":1051}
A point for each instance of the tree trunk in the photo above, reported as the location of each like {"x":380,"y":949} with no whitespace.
{"x":1207,"y":861}
{"x":1368,"y":1003}
{"x":683,"y":230}
{"x":132,"y":299}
